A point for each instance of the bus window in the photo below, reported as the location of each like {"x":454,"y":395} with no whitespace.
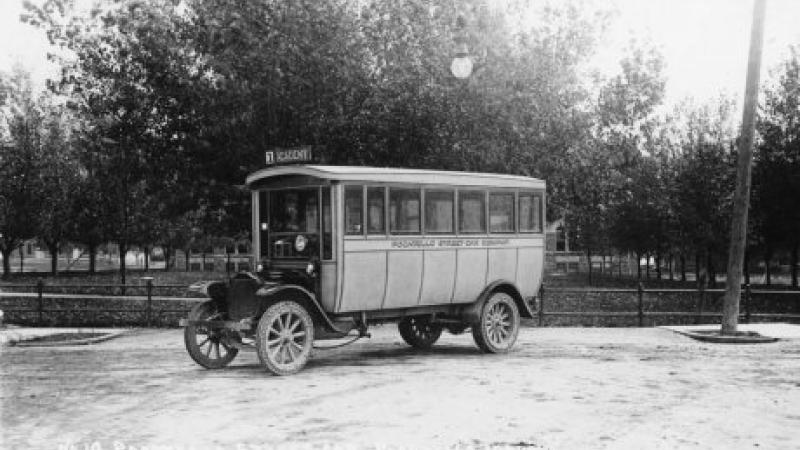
{"x":472,"y":211}
{"x":530,"y":213}
{"x":501,"y":213}
{"x":439,"y":211}
{"x":327,"y":225}
{"x":376,"y":210}
{"x":353,"y":205}
{"x":404,"y":211}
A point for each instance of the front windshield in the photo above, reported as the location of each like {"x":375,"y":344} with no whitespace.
{"x":286,"y":216}
{"x":294,"y":211}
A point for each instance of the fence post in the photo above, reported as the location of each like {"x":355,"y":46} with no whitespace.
{"x":149,"y":306}
{"x":40,"y":300}
{"x":640,"y":304}
{"x":747,"y":303}
{"x":540,"y":313}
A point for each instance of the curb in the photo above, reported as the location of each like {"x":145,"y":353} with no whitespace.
{"x":30,"y":341}
{"x":713,"y":336}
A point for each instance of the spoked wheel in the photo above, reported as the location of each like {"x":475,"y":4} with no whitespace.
{"x":419,"y":332}
{"x":498,"y":326}
{"x":211,"y":348}
{"x":285,"y":336}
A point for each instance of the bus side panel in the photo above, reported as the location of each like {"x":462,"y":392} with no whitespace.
{"x":327,"y":292}
{"x":502,"y":264}
{"x":438,"y":277}
{"x":529,"y":270}
{"x":364,"y":281}
{"x":471,"y":274}
{"x":405,"y":278}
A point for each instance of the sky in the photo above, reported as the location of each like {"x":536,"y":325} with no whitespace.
{"x":704,"y":42}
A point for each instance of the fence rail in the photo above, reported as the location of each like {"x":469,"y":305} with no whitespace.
{"x":90,"y":306}
{"x":640,"y":313}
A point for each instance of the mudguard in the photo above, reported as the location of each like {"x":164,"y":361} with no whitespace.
{"x":473,"y":311}
{"x":269,"y":291}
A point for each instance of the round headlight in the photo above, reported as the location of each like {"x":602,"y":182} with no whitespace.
{"x":300,"y":243}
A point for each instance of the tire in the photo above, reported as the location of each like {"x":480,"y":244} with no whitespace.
{"x":419,"y":332}
{"x":498,"y":326}
{"x":285,"y":337}
{"x":209,"y":348}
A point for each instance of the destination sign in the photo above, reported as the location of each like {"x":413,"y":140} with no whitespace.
{"x":289,"y":155}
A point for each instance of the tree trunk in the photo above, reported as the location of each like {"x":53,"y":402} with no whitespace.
{"x":658,"y":266}
{"x":767,"y":269}
{"x":92,"y":259}
{"x":638,"y":266}
{"x":588,"y":257}
{"x":647,"y":265}
{"x":683,"y":267}
{"x":671,"y":260}
{"x":697,"y":267}
{"x":123,"y":250}
{"x":146,"y":258}
{"x":167,"y":257}
{"x":186,"y":258}
{"x":53,"y":249}
{"x":6,"y":262}
{"x":794,"y":265}
{"x":712,"y":274}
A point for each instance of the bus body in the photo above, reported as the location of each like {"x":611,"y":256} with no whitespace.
{"x":350,"y":246}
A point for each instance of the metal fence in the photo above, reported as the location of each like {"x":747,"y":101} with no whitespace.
{"x":149,"y":304}
{"x":701,"y":299}
{"x":96,"y":304}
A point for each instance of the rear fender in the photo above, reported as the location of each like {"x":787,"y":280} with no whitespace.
{"x":272,"y":294}
{"x":472,"y":312}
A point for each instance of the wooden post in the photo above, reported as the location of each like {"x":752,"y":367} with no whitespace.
{"x":40,"y":302}
{"x":540,"y":313}
{"x":741,"y":198}
{"x":640,"y":304}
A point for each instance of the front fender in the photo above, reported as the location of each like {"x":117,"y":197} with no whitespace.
{"x":298,"y":291}
{"x":215,"y":290}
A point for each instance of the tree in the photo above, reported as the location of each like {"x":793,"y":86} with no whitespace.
{"x":20,"y":165}
{"x":59,"y":176}
{"x":133,"y":84}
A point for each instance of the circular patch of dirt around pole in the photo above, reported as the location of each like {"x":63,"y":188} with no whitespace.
{"x":62,"y":339}
{"x":739,"y":337}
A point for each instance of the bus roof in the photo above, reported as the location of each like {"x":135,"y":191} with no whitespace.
{"x":396,"y":175}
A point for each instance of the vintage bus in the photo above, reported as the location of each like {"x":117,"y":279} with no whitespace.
{"x":341,"y":248}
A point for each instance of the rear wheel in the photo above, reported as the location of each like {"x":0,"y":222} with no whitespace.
{"x":284,"y":337}
{"x":498,"y":326}
{"x":210,"y":347}
{"x":419,"y":332}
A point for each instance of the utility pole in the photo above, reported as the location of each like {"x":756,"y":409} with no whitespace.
{"x":741,"y":199}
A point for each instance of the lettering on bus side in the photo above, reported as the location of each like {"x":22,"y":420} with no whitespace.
{"x":448,"y":243}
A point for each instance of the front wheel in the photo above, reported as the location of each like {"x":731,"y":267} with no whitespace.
{"x":284,"y":337}
{"x":498,"y":326}
{"x":210,"y":347}
{"x":419,"y":332}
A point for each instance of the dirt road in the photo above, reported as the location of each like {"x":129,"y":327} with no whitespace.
{"x":560,"y":388}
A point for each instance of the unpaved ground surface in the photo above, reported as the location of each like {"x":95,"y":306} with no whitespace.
{"x":561,"y":388}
